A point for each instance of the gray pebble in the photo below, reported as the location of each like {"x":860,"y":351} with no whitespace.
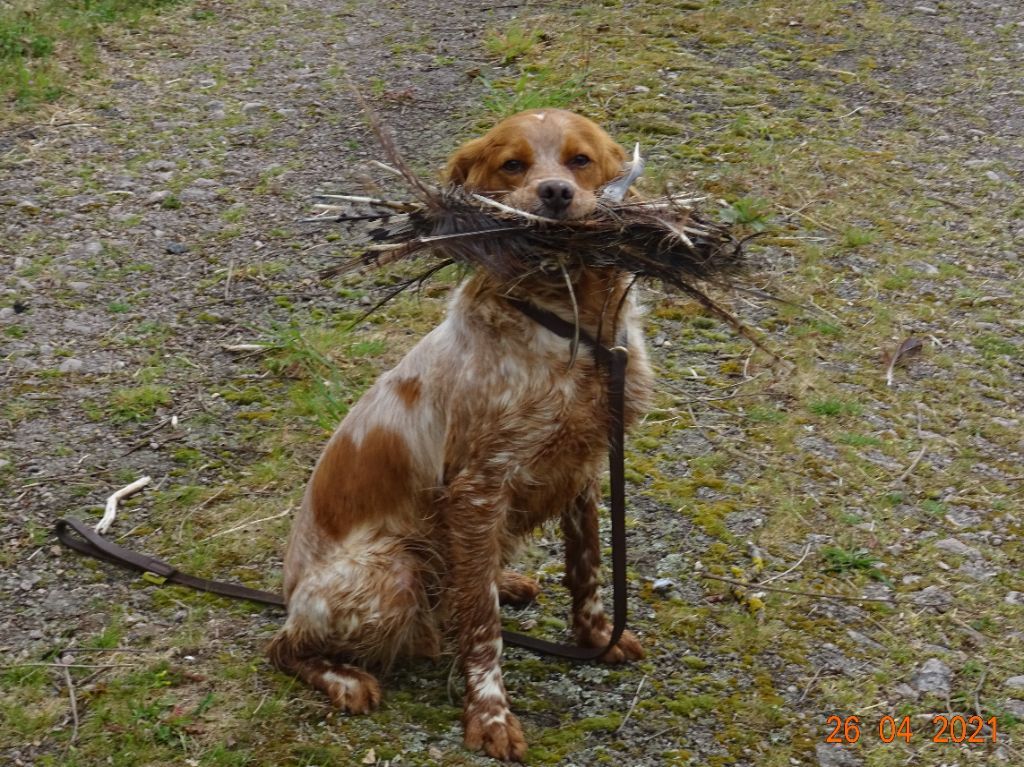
{"x":835,"y":755}
{"x":1014,"y":598}
{"x":156,"y":197}
{"x":71,"y":365}
{"x":958,"y":548}
{"x":933,"y":597}
{"x":934,"y":676}
{"x":79,"y":287}
{"x":1015,"y":683}
{"x":176,"y":248}
{"x":905,"y":691}
{"x":93,"y":248}
{"x":193,"y":194}
{"x":663,"y":585}
{"x":252,"y":106}
{"x":926,"y":10}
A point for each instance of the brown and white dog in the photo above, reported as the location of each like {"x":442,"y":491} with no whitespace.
{"x":481,"y":433}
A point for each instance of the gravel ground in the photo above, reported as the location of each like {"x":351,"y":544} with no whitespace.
{"x":150,"y":222}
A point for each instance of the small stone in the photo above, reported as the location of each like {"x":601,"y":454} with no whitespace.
{"x":71,"y":365}
{"x":927,"y":10}
{"x":1015,"y":707}
{"x":659,"y":340}
{"x":864,"y":640}
{"x":934,"y":677}
{"x":74,"y":326}
{"x":663,"y":585}
{"x":1015,"y":683}
{"x":192,"y":194}
{"x":991,"y":175}
{"x":959,"y":548}
{"x":252,"y":106}
{"x":205,"y":182}
{"x":641,"y":89}
{"x":29,"y":208}
{"x":20,"y":262}
{"x":176,"y":248}
{"x":214,"y":106}
{"x":6,"y":312}
{"x":218,"y":114}
{"x":159,"y":165}
{"x":79,"y":287}
{"x":905,"y":691}
{"x":163,"y":177}
{"x":155,"y":198}
{"x":4,"y":463}
{"x":1014,"y":598}
{"x":835,"y":755}
{"x":93,"y":248}
{"x":933,"y":597}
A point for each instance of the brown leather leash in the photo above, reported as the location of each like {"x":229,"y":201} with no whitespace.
{"x":81,"y":537}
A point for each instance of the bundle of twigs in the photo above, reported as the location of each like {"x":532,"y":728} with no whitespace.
{"x":666,"y":239}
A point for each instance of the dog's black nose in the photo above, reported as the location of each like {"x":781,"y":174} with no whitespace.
{"x":555,"y":195}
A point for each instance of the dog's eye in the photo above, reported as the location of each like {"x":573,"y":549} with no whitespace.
{"x":513,"y":166}
{"x":579,"y":161}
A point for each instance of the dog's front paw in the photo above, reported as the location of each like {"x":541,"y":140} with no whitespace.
{"x":496,"y":730}
{"x":627,"y":648}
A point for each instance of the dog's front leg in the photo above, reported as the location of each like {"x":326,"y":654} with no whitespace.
{"x":583,"y":578}
{"x":475,"y":520}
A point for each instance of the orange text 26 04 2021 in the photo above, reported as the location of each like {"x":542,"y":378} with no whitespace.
{"x":951,"y":728}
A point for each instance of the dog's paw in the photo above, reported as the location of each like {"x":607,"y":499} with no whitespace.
{"x":351,"y":689}
{"x":516,"y":589}
{"x":627,"y":648}
{"x":496,"y":730}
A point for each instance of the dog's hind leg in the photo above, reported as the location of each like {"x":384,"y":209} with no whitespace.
{"x":516,"y":589}
{"x":350,"y":688}
{"x":357,"y":609}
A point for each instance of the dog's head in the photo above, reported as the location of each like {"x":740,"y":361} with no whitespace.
{"x":544,"y":161}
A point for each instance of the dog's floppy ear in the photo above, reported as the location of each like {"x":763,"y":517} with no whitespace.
{"x":610,"y":158}
{"x":460,"y":164}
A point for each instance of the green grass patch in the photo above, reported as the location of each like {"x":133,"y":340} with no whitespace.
{"x":45,"y":44}
{"x":140,"y":402}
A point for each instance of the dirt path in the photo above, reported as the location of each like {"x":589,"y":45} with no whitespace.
{"x":151,"y":221}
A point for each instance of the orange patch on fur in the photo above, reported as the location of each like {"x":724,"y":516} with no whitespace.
{"x":352,"y":484}
{"x":408,"y":389}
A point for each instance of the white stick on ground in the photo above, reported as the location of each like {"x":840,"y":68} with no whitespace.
{"x":110,"y":513}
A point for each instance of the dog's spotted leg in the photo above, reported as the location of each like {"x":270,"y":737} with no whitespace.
{"x":582,"y":577}
{"x":475,"y":572}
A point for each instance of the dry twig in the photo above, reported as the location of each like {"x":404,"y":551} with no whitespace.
{"x":791,"y":592}
{"x":110,"y":513}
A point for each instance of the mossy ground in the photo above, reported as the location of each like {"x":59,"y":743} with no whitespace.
{"x":886,"y":190}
